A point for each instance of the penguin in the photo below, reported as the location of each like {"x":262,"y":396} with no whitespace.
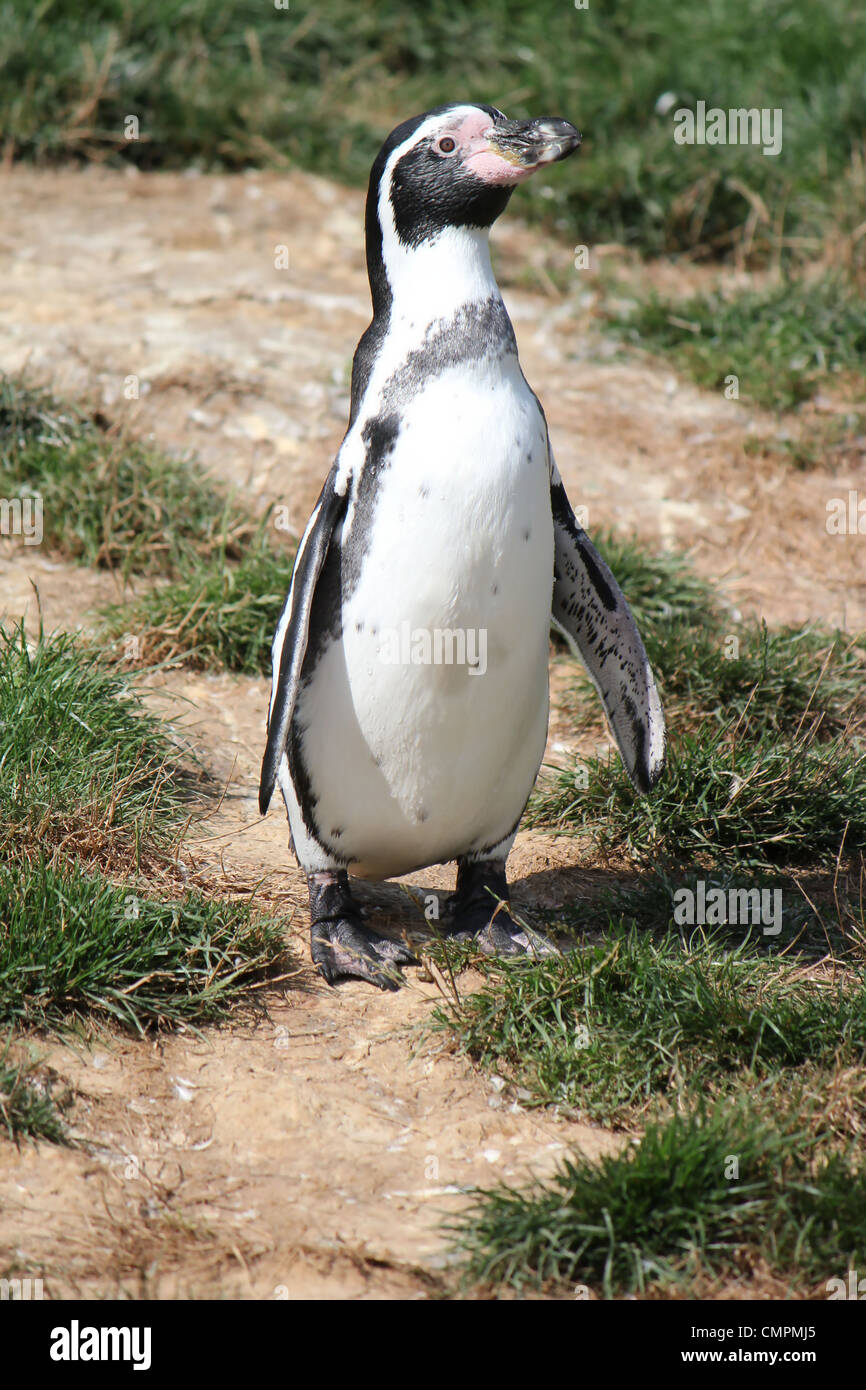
{"x":409,"y":702}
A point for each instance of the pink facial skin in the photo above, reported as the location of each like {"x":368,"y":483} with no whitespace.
{"x":492,"y":168}
{"x":474,"y":152}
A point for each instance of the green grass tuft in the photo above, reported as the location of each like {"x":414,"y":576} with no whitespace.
{"x":108,"y":500}
{"x":221,"y":583}
{"x":661,"y":587}
{"x":782,"y":343}
{"x":783,"y":680}
{"x":87,"y":768}
{"x":219,"y":616}
{"x":837,"y":443}
{"x":751,"y":800}
{"x":711,"y":664}
{"x":75,"y":947}
{"x":610,"y":1027}
{"x":80,"y":754}
{"x":673,"y":1207}
{"x":765,"y":760}
{"x":27,"y":1110}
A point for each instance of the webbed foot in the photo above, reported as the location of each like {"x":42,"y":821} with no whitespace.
{"x":479,"y":909}
{"x":341,"y":945}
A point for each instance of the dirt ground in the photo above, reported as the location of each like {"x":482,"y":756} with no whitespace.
{"x":316,"y":1153}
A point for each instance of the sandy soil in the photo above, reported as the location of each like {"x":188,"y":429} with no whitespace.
{"x":316,"y":1153}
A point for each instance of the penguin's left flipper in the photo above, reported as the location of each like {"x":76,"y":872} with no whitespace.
{"x":290,"y":641}
{"x":590,"y":611}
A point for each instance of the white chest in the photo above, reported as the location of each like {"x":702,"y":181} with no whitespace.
{"x":459,"y":529}
{"x":424,"y":724}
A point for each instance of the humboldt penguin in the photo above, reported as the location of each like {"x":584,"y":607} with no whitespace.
{"x":409,"y":704}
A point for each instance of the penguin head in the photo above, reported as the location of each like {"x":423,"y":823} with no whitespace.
{"x":457,"y":166}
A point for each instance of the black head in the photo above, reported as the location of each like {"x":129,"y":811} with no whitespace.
{"x":456,"y":166}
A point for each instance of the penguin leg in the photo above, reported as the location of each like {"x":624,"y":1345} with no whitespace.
{"x":480,"y":909}
{"x":340,"y":944}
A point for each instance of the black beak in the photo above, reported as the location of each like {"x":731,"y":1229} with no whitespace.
{"x":531,"y":143}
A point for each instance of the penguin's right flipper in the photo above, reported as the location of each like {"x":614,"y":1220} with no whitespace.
{"x":290,"y":641}
{"x":590,"y":610}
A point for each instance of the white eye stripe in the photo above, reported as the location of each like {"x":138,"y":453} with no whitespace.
{"x":426,"y":131}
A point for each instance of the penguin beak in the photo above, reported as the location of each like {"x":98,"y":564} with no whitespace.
{"x":529,"y":144}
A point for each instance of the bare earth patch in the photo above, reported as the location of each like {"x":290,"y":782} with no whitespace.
{"x":314,"y":1155}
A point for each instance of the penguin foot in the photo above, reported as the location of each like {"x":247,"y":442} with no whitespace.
{"x":480,"y":911}
{"x":505,"y":937}
{"x":340,"y":944}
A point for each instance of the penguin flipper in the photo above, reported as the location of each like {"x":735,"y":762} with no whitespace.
{"x":590,"y":611}
{"x":290,"y":640}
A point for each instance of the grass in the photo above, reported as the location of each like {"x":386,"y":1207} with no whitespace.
{"x":218,"y":616}
{"x":27,"y":1109}
{"x":765,"y":759}
{"x":836,"y":443}
{"x":244,"y":83}
{"x":88,"y":769}
{"x":609,"y":1028}
{"x":779,"y":681}
{"x":710,"y":664}
{"x":742,"y":1067}
{"x":783,"y":679}
{"x":128,"y":505}
{"x":705,"y":1193}
{"x":661,"y":586}
{"x":75,"y":947}
{"x":81,"y":758}
{"x":782,"y":343}
{"x":723,"y":800}
{"x":108,"y":500}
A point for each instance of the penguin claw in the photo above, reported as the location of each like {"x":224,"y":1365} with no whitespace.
{"x":504,"y":937}
{"x":343,"y":949}
{"x":393,"y":952}
{"x":497,"y":933}
{"x":479,"y":910}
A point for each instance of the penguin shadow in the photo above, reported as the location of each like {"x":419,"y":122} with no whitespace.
{"x":401,"y":910}
{"x":575,"y":907}
{"x":565,"y":904}
{"x":570,"y":906}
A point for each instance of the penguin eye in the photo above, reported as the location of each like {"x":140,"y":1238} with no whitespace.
{"x":447,"y":145}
